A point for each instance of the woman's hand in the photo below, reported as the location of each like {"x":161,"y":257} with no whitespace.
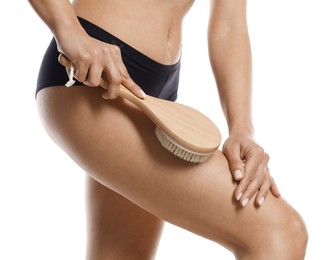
{"x":97,"y":64}
{"x":248,"y":163}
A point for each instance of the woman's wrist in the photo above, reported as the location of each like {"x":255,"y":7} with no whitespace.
{"x":242,"y":129}
{"x":65,"y":29}
{"x":239,"y":119}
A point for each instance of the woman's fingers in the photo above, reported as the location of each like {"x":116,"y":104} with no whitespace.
{"x":274,"y":189}
{"x":116,"y":78}
{"x":64,"y":61}
{"x":252,"y":161}
{"x":254,"y":177}
{"x":103,"y":65}
{"x":260,"y":186}
{"x":236,"y":165}
{"x":248,"y":163}
{"x":254,"y":185}
{"x":94,"y":75}
{"x":132,"y":86}
{"x":268,"y":185}
{"x":114,"y":73}
{"x":263,"y":190}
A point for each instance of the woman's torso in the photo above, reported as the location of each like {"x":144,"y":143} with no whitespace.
{"x":151,"y":26}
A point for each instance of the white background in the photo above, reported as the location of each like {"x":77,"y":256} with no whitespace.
{"x":42,"y":191}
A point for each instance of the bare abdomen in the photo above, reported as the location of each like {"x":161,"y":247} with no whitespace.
{"x":151,"y":26}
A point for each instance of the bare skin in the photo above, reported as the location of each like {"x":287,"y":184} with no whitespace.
{"x":198,"y":198}
{"x":134,"y":184}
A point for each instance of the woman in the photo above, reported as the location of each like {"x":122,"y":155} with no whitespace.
{"x":133,"y":184}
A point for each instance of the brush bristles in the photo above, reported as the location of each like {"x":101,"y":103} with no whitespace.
{"x":179,"y":150}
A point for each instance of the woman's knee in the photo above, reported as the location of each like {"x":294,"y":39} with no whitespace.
{"x":290,"y":238}
{"x":295,"y":236}
{"x":283,"y":235}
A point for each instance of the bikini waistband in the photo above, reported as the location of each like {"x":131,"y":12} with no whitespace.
{"x":126,"y":50}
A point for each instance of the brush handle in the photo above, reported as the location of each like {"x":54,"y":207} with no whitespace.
{"x":128,"y":95}
{"x":186,"y":126}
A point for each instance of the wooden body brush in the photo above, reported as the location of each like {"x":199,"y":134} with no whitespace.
{"x":184,"y":131}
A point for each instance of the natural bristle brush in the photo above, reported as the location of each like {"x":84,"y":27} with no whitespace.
{"x":184,"y":131}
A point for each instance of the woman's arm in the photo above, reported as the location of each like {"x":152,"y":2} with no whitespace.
{"x":90,"y":57}
{"x":230,"y":57}
{"x":59,"y":16}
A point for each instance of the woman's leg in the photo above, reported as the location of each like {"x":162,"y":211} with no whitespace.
{"x":117,"y":228}
{"x":116,"y":145}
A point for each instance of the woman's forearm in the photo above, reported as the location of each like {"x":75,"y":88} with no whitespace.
{"x":59,"y":16}
{"x":230,"y":57}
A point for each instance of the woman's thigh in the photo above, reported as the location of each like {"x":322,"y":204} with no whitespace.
{"x":117,"y":228}
{"x":115,"y":143}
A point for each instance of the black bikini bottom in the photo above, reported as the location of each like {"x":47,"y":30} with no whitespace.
{"x":154,"y":78}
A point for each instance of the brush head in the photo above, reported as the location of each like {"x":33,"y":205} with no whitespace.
{"x":183,"y":130}
{"x":178,"y":150}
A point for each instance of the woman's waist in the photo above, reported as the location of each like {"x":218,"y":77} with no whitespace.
{"x":155,"y":34}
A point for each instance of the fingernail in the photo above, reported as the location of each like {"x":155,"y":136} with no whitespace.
{"x":261,"y":201}
{"x":239,"y":196}
{"x":105,"y":96}
{"x":143,"y":95}
{"x":245,"y":202}
{"x":237,"y":174}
